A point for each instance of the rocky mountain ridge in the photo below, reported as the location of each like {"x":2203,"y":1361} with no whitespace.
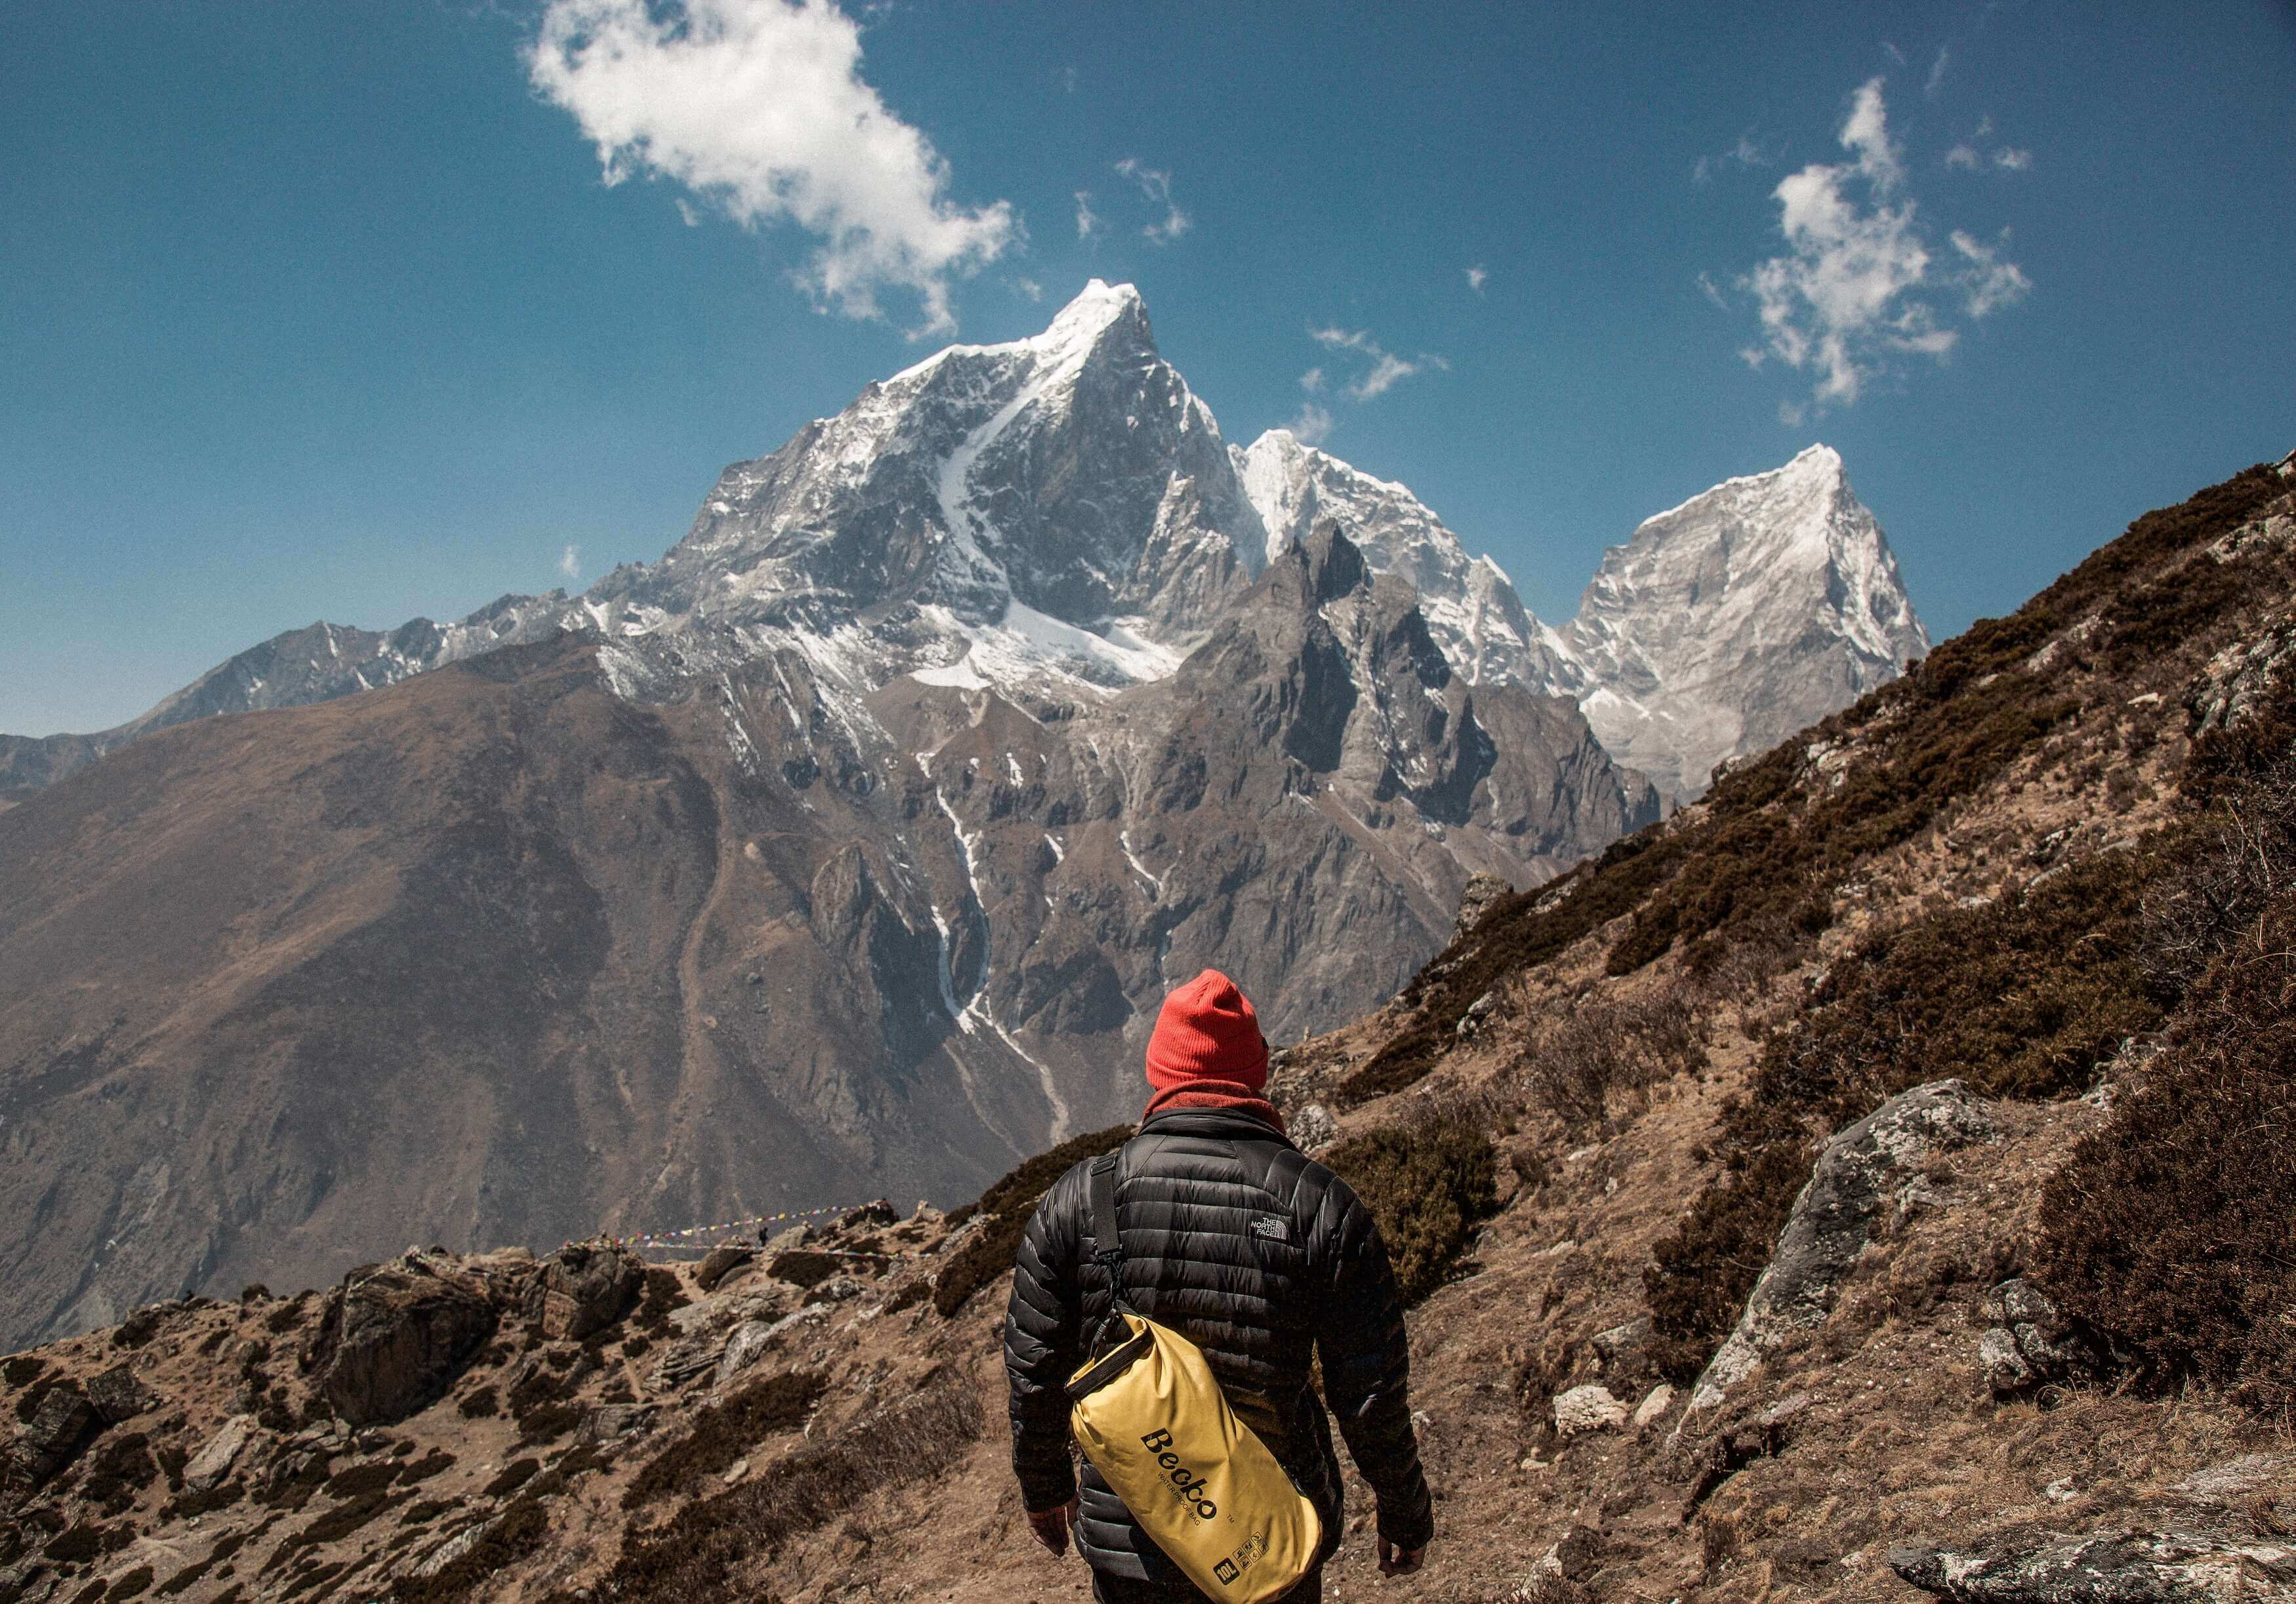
{"x":1063,"y":510}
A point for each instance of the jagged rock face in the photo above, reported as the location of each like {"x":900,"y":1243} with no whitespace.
{"x":1739,"y":617}
{"x":1072,"y":474}
{"x":1471,"y":605}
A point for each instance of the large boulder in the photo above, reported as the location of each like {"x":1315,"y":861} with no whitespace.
{"x":718,"y":1264}
{"x":1849,"y":1191}
{"x":804,"y":1266}
{"x":213,"y":1463}
{"x":583,"y":1289}
{"x":64,"y":1423}
{"x":118,"y":1396}
{"x":2118,"y":1568}
{"x":393,"y":1337}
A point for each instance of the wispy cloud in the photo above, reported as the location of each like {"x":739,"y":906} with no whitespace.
{"x":1383,"y":370}
{"x":758,"y":110}
{"x":1030,"y":288}
{"x":1476,"y":276}
{"x":1969,"y":157}
{"x":1936,"y":84}
{"x":1157,"y":185}
{"x":1858,"y":285}
{"x":1088,"y":223}
{"x":1747,"y":152}
{"x":1988,"y":283}
{"x":569,"y":562}
{"x":1313,"y":425}
{"x":1312,"y":381}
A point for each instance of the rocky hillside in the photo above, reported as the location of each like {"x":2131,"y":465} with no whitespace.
{"x":1870,"y":1183}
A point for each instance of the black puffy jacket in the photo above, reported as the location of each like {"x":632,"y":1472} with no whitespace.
{"x":1263,"y":1283}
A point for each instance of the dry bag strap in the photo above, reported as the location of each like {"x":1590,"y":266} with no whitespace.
{"x":1107,"y":1245}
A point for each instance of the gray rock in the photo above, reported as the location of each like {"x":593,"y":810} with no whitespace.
{"x":2032,"y":1343}
{"x":792,"y":1236}
{"x":714,"y":1267}
{"x":1622,"y":1345}
{"x":1482,"y":891}
{"x":212,"y":1464}
{"x":2112,"y":1567}
{"x":393,"y":1337}
{"x":118,"y":1396}
{"x":804,"y":1266}
{"x":1589,"y":1408}
{"x":583,"y":1289}
{"x":747,"y":1344}
{"x":64,"y":1423}
{"x":1312,"y":1129}
{"x":1849,"y":1194}
{"x":610,"y":1421}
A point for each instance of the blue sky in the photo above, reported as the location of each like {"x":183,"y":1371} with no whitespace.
{"x":326,"y":310}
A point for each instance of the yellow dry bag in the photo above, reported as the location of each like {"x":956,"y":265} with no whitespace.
{"x":1150,"y":1417}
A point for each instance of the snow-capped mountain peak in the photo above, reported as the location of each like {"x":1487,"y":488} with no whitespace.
{"x":1729,"y":622}
{"x":1471,"y":607}
{"x":1060,"y":511}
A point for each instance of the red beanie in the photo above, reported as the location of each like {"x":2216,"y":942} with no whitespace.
{"x":1207,"y":1051}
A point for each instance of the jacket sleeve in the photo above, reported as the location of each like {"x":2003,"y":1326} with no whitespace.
{"x":1367,"y":1360}
{"x":1043,"y":1348}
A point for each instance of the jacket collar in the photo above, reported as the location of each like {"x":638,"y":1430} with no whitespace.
{"x":1227,"y":1124}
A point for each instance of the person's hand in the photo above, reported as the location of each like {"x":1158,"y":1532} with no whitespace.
{"x":1051,"y":1526}
{"x":1394,"y":1561}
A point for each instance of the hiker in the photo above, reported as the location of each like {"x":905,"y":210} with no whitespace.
{"x":1264,"y":1283}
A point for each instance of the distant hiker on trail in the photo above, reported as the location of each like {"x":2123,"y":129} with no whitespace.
{"x":1263,"y":1258}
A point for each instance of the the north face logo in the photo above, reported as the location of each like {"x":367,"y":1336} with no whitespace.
{"x":1273,"y":1228}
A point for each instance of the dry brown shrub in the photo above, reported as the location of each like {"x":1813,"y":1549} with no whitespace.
{"x":1580,"y":1061}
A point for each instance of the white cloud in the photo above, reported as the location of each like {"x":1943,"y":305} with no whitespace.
{"x":1968,"y":157}
{"x":1158,"y":187}
{"x":1476,"y":276}
{"x":569,"y":562}
{"x":1030,"y":288}
{"x":1386,"y":370}
{"x":692,"y":218}
{"x":1712,"y":291}
{"x":1791,"y":414}
{"x":1088,"y":223}
{"x":758,"y":108}
{"x":1313,"y":425}
{"x":1937,"y":74}
{"x":1312,"y":381}
{"x":1988,"y":283}
{"x":1746,"y":153}
{"x":1856,"y":289}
